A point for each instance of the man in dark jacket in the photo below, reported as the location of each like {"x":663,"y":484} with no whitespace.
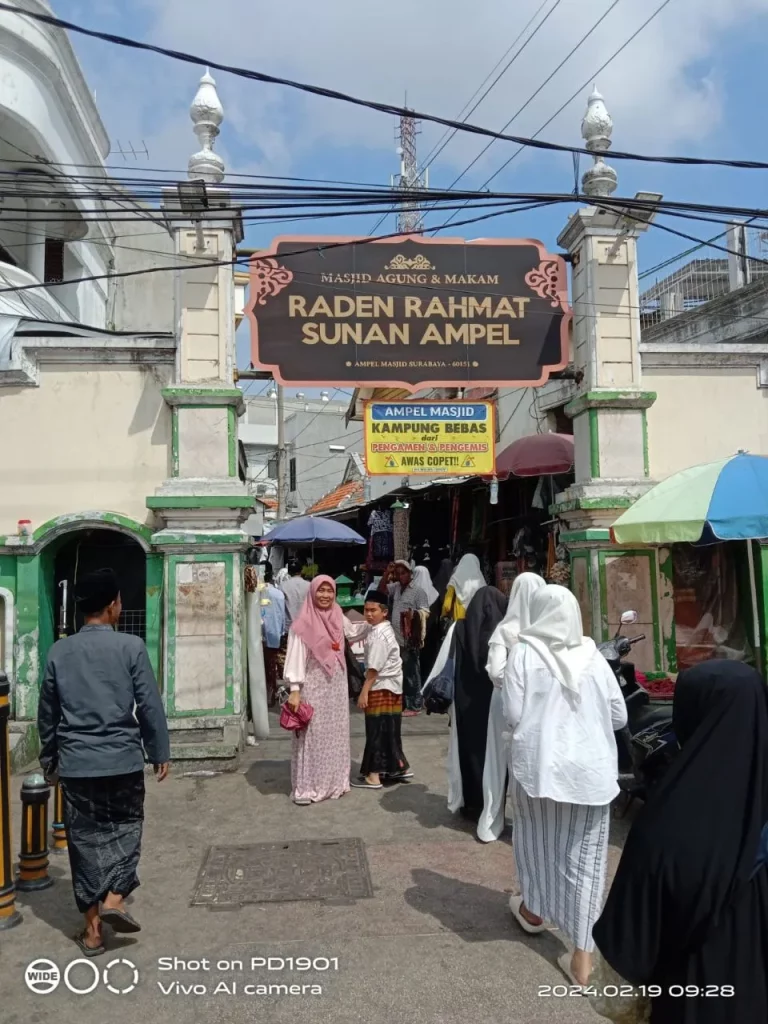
{"x":99,"y":703}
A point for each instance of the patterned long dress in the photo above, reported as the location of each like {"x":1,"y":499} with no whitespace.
{"x":320,"y":761}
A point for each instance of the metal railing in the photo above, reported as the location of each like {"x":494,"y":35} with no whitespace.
{"x":685,"y":283}
{"x":133,"y":622}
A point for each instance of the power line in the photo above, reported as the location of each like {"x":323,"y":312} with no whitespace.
{"x":452,"y":132}
{"x":621,"y":205}
{"x":384,"y":108}
{"x":210,"y":264}
{"x":578,"y":92}
{"x":533,"y":95}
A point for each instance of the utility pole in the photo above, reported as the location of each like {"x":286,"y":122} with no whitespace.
{"x":410,"y":219}
{"x":281,"y":482}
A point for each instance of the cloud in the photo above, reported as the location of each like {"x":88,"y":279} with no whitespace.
{"x":665,"y":91}
{"x":662,"y":91}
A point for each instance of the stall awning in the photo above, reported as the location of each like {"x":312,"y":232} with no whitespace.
{"x":536,"y":455}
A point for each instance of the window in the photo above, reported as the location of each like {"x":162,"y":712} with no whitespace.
{"x":562,"y":424}
{"x":292,"y":475}
{"x":54,"y":261}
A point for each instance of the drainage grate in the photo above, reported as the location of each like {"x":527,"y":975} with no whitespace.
{"x":308,"y":869}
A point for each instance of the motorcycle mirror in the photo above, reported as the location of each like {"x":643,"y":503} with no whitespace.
{"x":628,"y":618}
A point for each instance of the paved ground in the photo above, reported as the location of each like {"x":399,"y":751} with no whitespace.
{"x":435,"y":943}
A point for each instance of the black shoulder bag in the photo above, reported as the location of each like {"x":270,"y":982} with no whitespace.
{"x":355,"y":673}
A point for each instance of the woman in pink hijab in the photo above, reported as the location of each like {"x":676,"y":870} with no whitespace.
{"x":316,"y":669}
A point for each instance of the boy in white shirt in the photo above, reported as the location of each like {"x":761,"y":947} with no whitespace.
{"x":381,"y":699}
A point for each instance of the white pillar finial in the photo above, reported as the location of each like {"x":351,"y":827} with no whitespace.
{"x":596,"y":130}
{"x":207,"y":114}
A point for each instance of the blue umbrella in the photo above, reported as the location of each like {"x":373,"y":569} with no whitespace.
{"x":723,"y":500}
{"x":313,"y":530}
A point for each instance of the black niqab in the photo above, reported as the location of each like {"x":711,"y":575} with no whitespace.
{"x":684,"y":908}
{"x":473,"y":690}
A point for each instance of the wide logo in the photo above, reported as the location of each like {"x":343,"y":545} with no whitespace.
{"x":82,"y":977}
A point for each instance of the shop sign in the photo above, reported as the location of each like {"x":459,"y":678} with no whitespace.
{"x":410,"y":312}
{"x":430,"y":438}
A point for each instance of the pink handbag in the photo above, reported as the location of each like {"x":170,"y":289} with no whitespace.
{"x":296,"y":720}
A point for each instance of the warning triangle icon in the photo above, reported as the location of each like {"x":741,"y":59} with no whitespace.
{"x":469,"y":462}
{"x":391,"y":462}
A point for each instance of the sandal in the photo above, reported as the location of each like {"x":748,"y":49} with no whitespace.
{"x":89,"y":951}
{"x":515,"y":903}
{"x":366,"y":785}
{"x":564,"y":963}
{"x":120,"y":921}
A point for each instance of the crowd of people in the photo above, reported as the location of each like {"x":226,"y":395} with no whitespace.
{"x":684,"y":930}
{"x":533,"y":714}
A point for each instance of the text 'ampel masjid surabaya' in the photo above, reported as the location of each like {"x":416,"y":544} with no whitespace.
{"x":340,"y":320}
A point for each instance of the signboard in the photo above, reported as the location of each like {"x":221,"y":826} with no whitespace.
{"x":413,"y":312}
{"x":430,"y":438}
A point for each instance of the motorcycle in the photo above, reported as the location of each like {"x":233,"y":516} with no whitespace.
{"x":647,"y":744}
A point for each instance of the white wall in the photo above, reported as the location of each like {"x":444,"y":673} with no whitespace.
{"x":703,"y":415}
{"x":91,"y":438}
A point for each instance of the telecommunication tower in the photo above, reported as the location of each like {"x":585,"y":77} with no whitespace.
{"x":410,"y":217}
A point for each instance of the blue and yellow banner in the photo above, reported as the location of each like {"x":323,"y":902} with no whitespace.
{"x":434,"y":439}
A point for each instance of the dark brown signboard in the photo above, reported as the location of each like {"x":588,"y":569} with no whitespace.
{"x":414,"y":312}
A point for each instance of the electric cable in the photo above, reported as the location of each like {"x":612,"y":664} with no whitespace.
{"x":451,"y":132}
{"x":533,"y":95}
{"x":384,"y":108}
{"x":578,"y":92}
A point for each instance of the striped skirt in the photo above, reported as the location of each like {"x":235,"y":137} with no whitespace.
{"x":383,"y":744}
{"x":561,"y":854}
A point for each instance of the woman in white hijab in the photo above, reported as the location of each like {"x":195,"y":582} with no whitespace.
{"x":563,"y":705}
{"x":465,"y":582}
{"x":423,"y":581}
{"x":491,"y":823}
{"x":467,"y":578}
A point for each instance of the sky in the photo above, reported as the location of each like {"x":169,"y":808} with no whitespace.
{"x":691,"y":83}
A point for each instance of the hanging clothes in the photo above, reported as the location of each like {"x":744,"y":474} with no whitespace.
{"x":382,"y":542}
{"x":401,"y":533}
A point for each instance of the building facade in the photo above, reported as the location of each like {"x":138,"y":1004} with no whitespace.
{"x":118,"y":402}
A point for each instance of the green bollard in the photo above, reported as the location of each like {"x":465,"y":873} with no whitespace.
{"x":9,"y":915}
{"x":33,"y":859}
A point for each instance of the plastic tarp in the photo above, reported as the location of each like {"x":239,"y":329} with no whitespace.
{"x":706,"y":595}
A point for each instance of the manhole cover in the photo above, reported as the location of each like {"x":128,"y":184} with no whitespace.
{"x":308,"y":869}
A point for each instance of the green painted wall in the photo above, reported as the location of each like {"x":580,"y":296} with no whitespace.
{"x":35,"y":624}
{"x":154,"y":609}
{"x":8,"y":573}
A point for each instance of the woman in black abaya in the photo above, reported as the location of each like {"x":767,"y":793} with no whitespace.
{"x":689,"y":904}
{"x":473,"y":691}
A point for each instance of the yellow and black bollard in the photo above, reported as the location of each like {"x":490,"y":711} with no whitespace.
{"x":9,"y":915}
{"x":58,"y":831}
{"x":33,"y":859}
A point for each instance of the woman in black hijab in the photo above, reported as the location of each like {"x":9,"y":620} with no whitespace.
{"x":433,"y":638}
{"x":689,"y":904}
{"x":473,"y":691}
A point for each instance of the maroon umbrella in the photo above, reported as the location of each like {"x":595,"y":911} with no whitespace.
{"x":536,"y":455}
